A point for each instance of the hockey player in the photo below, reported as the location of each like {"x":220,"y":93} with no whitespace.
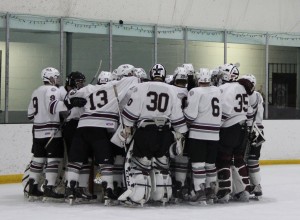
{"x":203,"y":113}
{"x":179,"y":164}
{"x":76,"y":80}
{"x":191,"y":75}
{"x":104,"y":77}
{"x":47,"y":142}
{"x":256,"y":139}
{"x":155,"y":109}
{"x":233,"y":135}
{"x":141,"y":74}
{"x":100,"y":114}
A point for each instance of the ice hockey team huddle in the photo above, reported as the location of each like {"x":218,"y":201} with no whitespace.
{"x":189,"y":137}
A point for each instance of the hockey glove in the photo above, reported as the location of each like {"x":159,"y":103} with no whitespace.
{"x":248,"y":85}
{"x":68,"y":103}
{"x":78,"y":102}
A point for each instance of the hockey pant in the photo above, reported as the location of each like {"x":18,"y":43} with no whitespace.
{"x":161,"y":180}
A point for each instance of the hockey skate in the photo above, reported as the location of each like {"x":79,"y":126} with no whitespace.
{"x":109,"y":197}
{"x":70,"y":194}
{"x":211,"y":193}
{"x":223,"y":196}
{"x":198,"y":197}
{"x":51,"y":195}
{"x":34,"y":193}
{"x":256,"y":192}
{"x":83,"y":195}
{"x":242,"y":196}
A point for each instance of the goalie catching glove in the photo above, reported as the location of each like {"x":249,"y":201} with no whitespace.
{"x":176,"y":149}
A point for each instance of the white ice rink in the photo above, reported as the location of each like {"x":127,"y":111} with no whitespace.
{"x":281,"y":201}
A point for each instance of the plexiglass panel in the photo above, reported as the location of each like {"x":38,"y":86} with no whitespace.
{"x":137,"y":51}
{"x":170,"y":53}
{"x":30,"y":52}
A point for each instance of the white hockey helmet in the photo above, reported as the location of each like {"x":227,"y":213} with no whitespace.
{"x":104,"y":77}
{"x":180,"y":75}
{"x":158,"y":71}
{"x":50,"y":75}
{"x":251,"y":78}
{"x":140,"y":73}
{"x":125,"y":70}
{"x":169,"y":79}
{"x":229,"y":72}
{"x":204,"y":75}
{"x":189,"y":68}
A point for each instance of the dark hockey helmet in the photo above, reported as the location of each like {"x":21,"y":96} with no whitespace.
{"x":75,"y":80}
{"x":158,"y":71}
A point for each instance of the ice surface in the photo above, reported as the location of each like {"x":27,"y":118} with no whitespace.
{"x":281,"y":201}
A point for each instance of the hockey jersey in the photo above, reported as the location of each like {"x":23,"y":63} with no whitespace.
{"x":203,"y":113}
{"x":152,"y":100}
{"x":42,"y":110}
{"x":235,"y":103}
{"x":102,"y":107}
{"x":181,"y":94}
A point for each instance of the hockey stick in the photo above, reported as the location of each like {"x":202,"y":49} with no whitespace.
{"x":97,"y":73}
{"x":247,"y":150}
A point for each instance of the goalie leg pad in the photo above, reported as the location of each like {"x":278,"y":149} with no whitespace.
{"x":161,"y":180}
{"x":240,"y":174}
{"x":140,"y":185}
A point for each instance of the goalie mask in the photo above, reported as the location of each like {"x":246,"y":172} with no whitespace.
{"x":75,"y":80}
{"x":50,"y":75}
{"x":104,"y":77}
{"x":229,"y":72}
{"x":158,"y":73}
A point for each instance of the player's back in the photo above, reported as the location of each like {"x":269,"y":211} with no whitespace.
{"x":157,"y":99}
{"x":38,"y":110}
{"x":235,"y":103}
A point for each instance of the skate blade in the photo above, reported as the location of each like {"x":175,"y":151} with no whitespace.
{"x":210,"y":201}
{"x":198,"y":203}
{"x":130,"y":204}
{"x":110,"y":202}
{"x":34,"y":198}
{"x":50,"y":199}
{"x":255,"y":198}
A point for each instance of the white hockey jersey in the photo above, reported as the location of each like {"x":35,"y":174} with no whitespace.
{"x":102,"y":108}
{"x":181,"y":94}
{"x":235,"y":103}
{"x":42,"y":109}
{"x":151,"y":100}
{"x":204,"y":112}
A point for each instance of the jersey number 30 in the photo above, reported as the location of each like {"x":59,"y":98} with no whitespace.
{"x":158,"y":101}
